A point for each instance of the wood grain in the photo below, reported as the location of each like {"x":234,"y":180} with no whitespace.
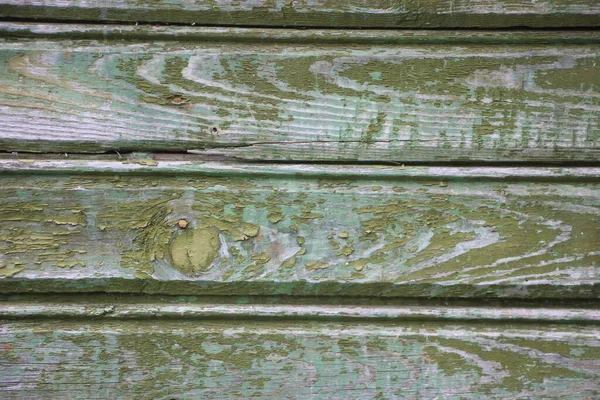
{"x":118,"y":306}
{"x":166,"y":359}
{"x":319,"y":13}
{"x":445,"y":101}
{"x":185,"y":227}
{"x":150,"y":33}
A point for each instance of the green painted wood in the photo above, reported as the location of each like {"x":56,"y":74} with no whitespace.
{"x":145,"y":32}
{"x":134,"y":307}
{"x":320,"y":13}
{"x":185,"y":227}
{"x":416,"y":97}
{"x":167,"y":359}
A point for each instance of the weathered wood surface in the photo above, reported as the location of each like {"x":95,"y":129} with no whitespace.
{"x":153,"y":33}
{"x":316,"y":100}
{"x":184,"y":227}
{"x":319,"y":13}
{"x":167,"y":359}
{"x":118,"y":306}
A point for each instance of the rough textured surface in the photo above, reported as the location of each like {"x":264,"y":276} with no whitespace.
{"x":119,"y":306}
{"x":229,"y":279}
{"x":270,"y":100}
{"x":277,"y":229}
{"x":168,"y":359}
{"x":324,"y":13}
{"x":141,"y":32}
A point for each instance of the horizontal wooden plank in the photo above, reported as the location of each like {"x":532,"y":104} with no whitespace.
{"x":321,"y":13}
{"x":157,"y":307}
{"x":248,"y":359}
{"x":271,"y":100}
{"x":184,"y":227}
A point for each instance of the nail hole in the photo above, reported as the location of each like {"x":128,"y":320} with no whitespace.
{"x":214,"y":129}
{"x":182,"y":223}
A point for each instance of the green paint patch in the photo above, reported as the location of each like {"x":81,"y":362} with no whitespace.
{"x":250,"y":230}
{"x":450,"y":362}
{"x":346,"y":251}
{"x":289,"y":263}
{"x":315,"y":265}
{"x":193,"y":251}
{"x":484,"y":128}
{"x":375,"y":128}
{"x":520,"y":374}
{"x":8,"y":272}
{"x":275,"y":218}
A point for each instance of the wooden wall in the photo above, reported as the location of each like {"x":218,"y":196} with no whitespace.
{"x":266,"y":199}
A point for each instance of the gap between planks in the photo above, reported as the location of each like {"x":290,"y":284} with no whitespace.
{"x":71,"y":31}
{"x":166,"y":164}
{"x":161,"y":307}
{"x":153,"y":158}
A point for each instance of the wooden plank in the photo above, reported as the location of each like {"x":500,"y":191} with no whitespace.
{"x":320,"y":13}
{"x":185,"y":227}
{"x":248,"y":359}
{"x":135,"y":307}
{"x":447,"y":99}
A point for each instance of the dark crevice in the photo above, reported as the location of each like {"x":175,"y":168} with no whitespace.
{"x":101,"y":22}
{"x":320,"y":36}
{"x":98,"y":305}
{"x":98,"y":297}
{"x":162,"y":155}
